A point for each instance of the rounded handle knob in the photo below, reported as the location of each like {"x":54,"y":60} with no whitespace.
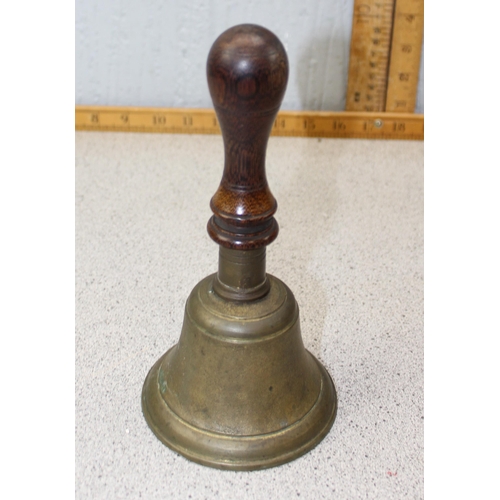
{"x":247,"y":71}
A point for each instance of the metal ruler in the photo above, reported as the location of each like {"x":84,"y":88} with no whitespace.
{"x":385,"y":55}
{"x":288,"y":123}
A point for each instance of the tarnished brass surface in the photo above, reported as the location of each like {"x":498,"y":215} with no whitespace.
{"x":242,"y":274}
{"x":239,"y":390}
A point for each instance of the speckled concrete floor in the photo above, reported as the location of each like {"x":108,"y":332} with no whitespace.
{"x":350,"y":248}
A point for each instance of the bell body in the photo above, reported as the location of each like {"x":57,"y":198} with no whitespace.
{"x":239,"y":391}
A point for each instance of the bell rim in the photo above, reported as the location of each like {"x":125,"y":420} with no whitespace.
{"x":212,"y":457}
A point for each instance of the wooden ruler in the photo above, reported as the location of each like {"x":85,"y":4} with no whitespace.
{"x":406,"y":49}
{"x":288,"y":123}
{"x":385,"y":55}
{"x":369,"y":55}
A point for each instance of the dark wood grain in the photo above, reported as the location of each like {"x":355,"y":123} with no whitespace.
{"x":247,"y":71}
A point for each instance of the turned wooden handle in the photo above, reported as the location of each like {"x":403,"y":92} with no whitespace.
{"x":247,"y":71}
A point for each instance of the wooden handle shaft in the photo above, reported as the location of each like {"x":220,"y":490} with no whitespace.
{"x":247,"y":71}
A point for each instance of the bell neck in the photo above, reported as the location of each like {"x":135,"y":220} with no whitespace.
{"x":241,"y":274}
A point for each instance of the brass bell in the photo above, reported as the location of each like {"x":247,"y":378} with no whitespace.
{"x":239,"y":391}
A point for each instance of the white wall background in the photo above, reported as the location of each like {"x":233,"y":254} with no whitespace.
{"x":153,"y":52}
